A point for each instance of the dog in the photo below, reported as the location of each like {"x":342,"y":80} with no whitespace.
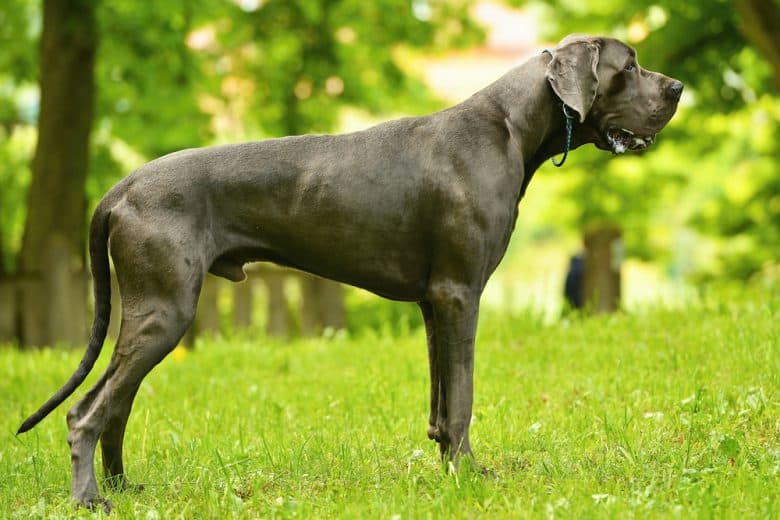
{"x":419,"y":209}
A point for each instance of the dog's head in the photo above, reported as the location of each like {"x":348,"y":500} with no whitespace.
{"x":620,"y":105}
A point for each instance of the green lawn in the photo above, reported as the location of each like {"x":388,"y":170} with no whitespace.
{"x":653,"y":414}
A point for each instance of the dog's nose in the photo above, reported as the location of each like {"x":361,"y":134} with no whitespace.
{"x":675,"y":89}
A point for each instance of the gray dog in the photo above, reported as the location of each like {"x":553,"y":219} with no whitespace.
{"x":419,"y":209}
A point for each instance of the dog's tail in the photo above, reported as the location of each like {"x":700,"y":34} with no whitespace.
{"x":101,"y":277}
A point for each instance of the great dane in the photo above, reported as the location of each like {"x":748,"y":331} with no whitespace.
{"x":419,"y":209}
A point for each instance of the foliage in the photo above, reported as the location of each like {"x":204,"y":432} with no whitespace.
{"x":18,"y":110}
{"x":650,"y":415}
{"x":299,"y":62}
{"x":15,"y":152}
{"x":148,"y":77}
{"x":745,"y":208}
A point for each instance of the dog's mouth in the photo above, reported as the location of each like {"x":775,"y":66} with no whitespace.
{"x":621,"y":140}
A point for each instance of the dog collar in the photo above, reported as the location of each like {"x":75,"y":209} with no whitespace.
{"x":569,"y":123}
{"x":569,"y":132}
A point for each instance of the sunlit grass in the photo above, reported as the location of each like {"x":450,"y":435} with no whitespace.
{"x":650,"y":414}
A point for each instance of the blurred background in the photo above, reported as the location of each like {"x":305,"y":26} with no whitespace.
{"x":91,"y":90}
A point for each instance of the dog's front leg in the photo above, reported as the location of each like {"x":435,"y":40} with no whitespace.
{"x":454,"y":311}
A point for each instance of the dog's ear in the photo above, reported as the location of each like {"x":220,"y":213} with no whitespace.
{"x":572,"y":74}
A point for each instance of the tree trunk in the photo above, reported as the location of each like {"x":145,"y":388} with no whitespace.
{"x":243,"y":294}
{"x":601,"y":282}
{"x":278,"y":323}
{"x":8,"y":316}
{"x":761,"y":27}
{"x":53,"y":290}
{"x":322,"y":306}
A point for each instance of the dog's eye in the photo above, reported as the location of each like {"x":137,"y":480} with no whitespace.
{"x":631,"y":67}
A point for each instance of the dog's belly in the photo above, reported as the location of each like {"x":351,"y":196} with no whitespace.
{"x":393,"y":278}
{"x":381,"y":256}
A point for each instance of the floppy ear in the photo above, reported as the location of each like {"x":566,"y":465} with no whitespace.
{"x":572,"y":74}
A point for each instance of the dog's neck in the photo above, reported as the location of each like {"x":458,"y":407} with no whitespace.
{"x":537,"y":124}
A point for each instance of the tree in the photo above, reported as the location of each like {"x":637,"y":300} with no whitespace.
{"x":51,"y":262}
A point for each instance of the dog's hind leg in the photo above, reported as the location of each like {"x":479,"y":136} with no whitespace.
{"x":111,"y":442}
{"x":427,"y":312}
{"x":159,"y":295}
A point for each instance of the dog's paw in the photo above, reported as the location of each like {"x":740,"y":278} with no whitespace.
{"x":96,"y":503}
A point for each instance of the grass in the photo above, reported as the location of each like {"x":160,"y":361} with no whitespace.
{"x":652,"y":414}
